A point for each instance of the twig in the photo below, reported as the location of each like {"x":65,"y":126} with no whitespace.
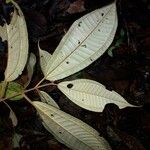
{"x":29,"y":90}
{"x":28,"y":99}
{"x":40,"y":82}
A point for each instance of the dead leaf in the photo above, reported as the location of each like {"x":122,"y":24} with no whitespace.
{"x":76,"y":7}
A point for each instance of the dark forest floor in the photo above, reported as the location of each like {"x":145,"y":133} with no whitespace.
{"x":127,"y":72}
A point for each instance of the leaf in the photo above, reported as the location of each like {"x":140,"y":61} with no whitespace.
{"x":16,"y":140}
{"x":30,"y":68}
{"x":76,"y":7}
{"x":3,"y":86}
{"x":117,"y":43}
{"x":91,"y":95}
{"x":69,"y":130}
{"x":14,"y":88}
{"x":13,"y":117}
{"x":110,"y":51}
{"x":122,"y":33}
{"x":9,"y":1}
{"x":45,"y":98}
{"x":45,"y":58}
{"x":17,"y":37}
{"x":87,"y":39}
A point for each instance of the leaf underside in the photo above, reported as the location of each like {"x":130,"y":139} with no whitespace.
{"x":69,"y":130}
{"x":45,"y":58}
{"x":91,"y":95}
{"x":30,"y":68}
{"x":17,"y":37}
{"x":87,"y":39}
{"x":45,"y":98}
{"x":13,"y":117}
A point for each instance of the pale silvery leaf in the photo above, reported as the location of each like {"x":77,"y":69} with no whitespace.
{"x":87,"y":39}
{"x":91,"y":95}
{"x":3,"y":33}
{"x":17,"y":37}
{"x":13,"y":117}
{"x":69,"y":130}
{"x":45,"y":59}
{"x":45,"y":98}
{"x":30,"y":68}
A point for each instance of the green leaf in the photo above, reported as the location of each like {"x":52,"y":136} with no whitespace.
{"x":3,"y":85}
{"x":8,"y":1}
{"x":122,"y":33}
{"x":110,"y":51}
{"x":14,"y":89}
{"x":16,"y":140}
{"x":118,"y":42}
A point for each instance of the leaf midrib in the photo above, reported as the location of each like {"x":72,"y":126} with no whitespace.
{"x":79,"y":44}
{"x":84,"y":60}
{"x":74,"y":123}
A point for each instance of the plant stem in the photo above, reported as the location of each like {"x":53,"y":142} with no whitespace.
{"x":29,"y":90}
{"x":8,"y":106}
{"x":28,"y":99}
{"x":40,"y":82}
{"x":3,"y":88}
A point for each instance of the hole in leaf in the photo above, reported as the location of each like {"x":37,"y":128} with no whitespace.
{"x":52,"y":115}
{"x":78,"y":42}
{"x":91,"y":59}
{"x":99,"y":30}
{"x":60,"y":132}
{"x":67,"y":62}
{"x":70,"y":86}
{"x":84,"y":46}
{"x":79,"y":24}
{"x":102,"y":14}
